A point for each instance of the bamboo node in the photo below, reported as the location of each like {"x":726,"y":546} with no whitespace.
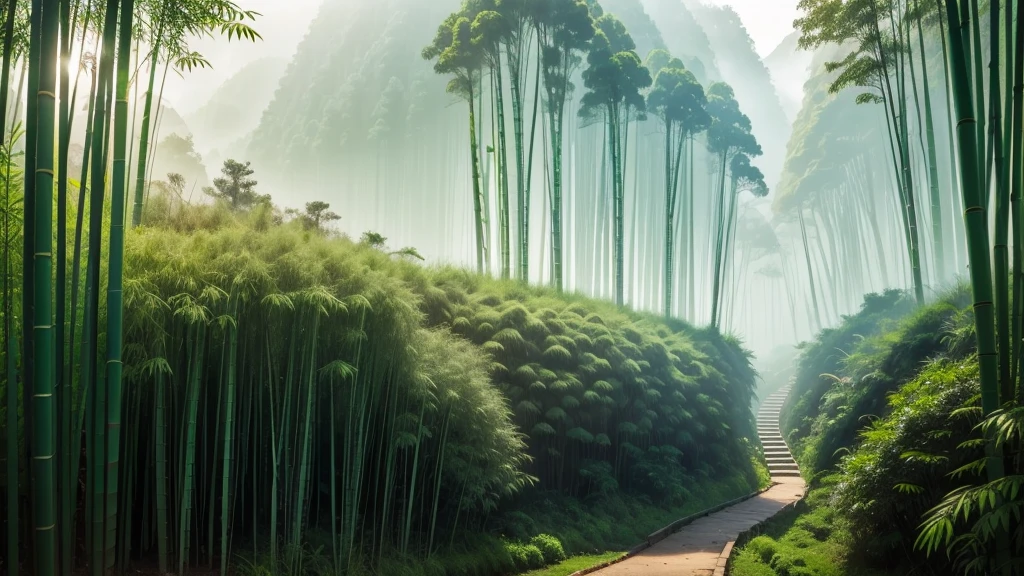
{"x":44,"y":171}
{"x":46,"y":93}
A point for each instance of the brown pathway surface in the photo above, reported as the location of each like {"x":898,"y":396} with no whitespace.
{"x":694,"y":550}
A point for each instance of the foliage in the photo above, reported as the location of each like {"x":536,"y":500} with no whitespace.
{"x":971,"y":520}
{"x":811,"y":539}
{"x":550,"y":547}
{"x":238,"y":190}
{"x":823,"y":358}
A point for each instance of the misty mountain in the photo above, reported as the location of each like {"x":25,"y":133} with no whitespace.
{"x":221,"y":124}
{"x":684,"y":37}
{"x":641,"y":27}
{"x":790,"y":68}
{"x":742,"y":68}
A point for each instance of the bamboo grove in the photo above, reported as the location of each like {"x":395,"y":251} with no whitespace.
{"x":62,"y":358}
{"x":225,"y":385}
{"x":923,"y":66}
{"x":571,"y":43}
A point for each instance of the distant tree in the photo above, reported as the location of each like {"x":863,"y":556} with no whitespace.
{"x":378,"y":242}
{"x":318,"y":215}
{"x":177,"y":182}
{"x":178,"y":154}
{"x":373,"y":240}
{"x":235,"y":187}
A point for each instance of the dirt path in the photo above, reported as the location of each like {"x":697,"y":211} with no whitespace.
{"x":694,"y":550}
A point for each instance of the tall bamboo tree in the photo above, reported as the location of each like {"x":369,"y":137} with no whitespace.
{"x":679,"y":101}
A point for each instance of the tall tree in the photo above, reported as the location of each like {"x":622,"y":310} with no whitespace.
{"x":728,"y":136}
{"x":878,"y":61}
{"x":744,"y":177}
{"x":614,"y":79}
{"x":564,"y":30}
{"x":679,"y":101}
{"x":457,"y":56}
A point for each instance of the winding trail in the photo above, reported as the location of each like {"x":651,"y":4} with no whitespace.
{"x":695,"y":550}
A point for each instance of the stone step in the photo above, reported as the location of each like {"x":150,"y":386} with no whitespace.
{"x":779,"y":460}
{"x":785,"y":473}
{"x":774,"y":444}
{"x":780,"y":467}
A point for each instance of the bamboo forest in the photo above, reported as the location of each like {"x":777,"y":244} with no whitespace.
{"x":512,"y":287}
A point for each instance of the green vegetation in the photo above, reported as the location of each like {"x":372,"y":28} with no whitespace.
{"x":576,"y":564}
{"x":810,"y":539}
{"x":885,"y":419}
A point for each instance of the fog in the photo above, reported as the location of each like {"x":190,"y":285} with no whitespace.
{"x":335,"y":103}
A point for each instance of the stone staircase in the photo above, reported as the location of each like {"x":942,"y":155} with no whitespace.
{"x":780,"y":461}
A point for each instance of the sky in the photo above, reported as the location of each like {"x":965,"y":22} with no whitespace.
{"x":767,"y":21}
{"x":282,"y":24}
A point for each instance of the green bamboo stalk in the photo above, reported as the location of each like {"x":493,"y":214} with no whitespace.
{"x":140,"y":177}
{"x":44,"y":513}
{"x":1016,"y":176}
{"x":63,"y":384}
{"x":185,"y":525}
{"x":477,"y":193}
{"x":9,"y":333}
{"x":976,"y":223}
{"x":229,"y":418}
{"x":503,"y":202}
{"x":994,"y":171}
{"x":938,"y":243}
{"x":28,"y":230}
{"x":115,"y":278}
{"x":93,"y":375}
{"x":160,"y":465}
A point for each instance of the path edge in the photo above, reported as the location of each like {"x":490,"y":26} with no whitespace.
{"x":724,"y":559}
{"x":672,"y":528}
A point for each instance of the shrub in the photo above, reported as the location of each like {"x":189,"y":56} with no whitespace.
{"x":525,"y":556}
{"x":763,"y":547}
{"x":549,"y":547}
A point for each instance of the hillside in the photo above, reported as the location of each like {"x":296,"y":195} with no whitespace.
{"x":235,"y":108}
{"x":684,"y":37}
{"x":790,"y":68}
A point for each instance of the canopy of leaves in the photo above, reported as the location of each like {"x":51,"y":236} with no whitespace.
{"x":678,"y":98}
{"x":615,"y":77}
{"x":729,"y":132}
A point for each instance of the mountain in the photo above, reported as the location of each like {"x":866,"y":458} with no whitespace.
{"x":684,"y":37}
{"x":236,"y":106}
{"x":639,"y":23}
{"x":742,"y":68}
{"x":790,"y":69}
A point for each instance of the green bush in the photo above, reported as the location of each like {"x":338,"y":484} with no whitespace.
{"x":525,"y":556}
{"x":763,"y":547}
{"x":550,"y":547}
